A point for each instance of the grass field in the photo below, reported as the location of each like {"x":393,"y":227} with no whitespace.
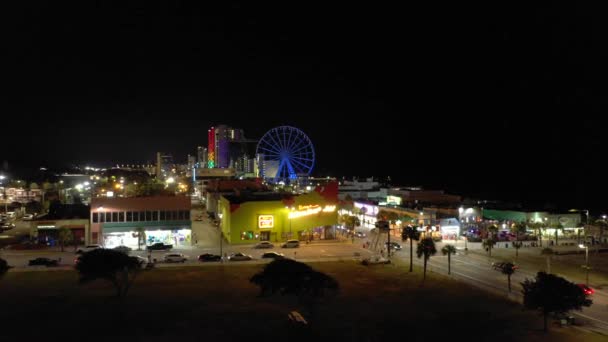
{"x":219,"y":304}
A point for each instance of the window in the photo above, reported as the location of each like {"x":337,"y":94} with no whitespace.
{"x":169,"y":215}
{"x":180,"y":215}
{"x":187,"y":217}
{"x":102,"y":217}
{"x":142,"y":216}
{"x":176,"y":215}
{"x":115,"y":217}
{"x":121,"y":216}
{"x":148,"y":216}
{"x":129,"y":216}
{"x":95,"y":217}
{"x":163,"y":215}
{"x":108,"y":217}
{"x":155,"y":215}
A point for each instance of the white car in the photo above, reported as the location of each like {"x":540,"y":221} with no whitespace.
{"x":175,"y":257}
{"x":87,"y":248}
{"x":28,"y":217}
{"x":240,"y":257}
{"x":291,"y":244}
{"x":264,"y":244}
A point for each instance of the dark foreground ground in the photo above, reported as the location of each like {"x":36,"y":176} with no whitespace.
{"x":217,"y":303}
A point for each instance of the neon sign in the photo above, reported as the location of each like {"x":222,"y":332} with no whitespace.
{"x":311,"y":210}
{"x":265,"y":221}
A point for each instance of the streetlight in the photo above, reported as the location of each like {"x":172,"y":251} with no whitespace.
{"x":586,"y":263}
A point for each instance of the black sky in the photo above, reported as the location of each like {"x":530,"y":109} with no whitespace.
{"x":500,"y":101}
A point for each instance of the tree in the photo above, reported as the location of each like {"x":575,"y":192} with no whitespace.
{"x":508,"y":268}
{"x":518,"y":228}
{"x":602,"y":224}
{"x":492,"y":230}
{"x":449,"y":250}
{"x":488,"y":244}
{"x":557,"y":226}
{"x":289,"y":277}
{"x":552,"y":294}
{"x":107,"y":264}
{"x":65,"y":236}
{"x":547,"y":252}
{"x":426,"y":248}
{"x":141,"y":237}
{"x":539,"y":228}
{"x":411,"y":233}
{"x":33,"y":207}
{"x":4,"y":267}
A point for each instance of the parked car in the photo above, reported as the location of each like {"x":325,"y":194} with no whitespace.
{"x":209,"y":257}
{"x":87,"y":248}
{"x":28,"y":217}
{"x":123,"y":249}
{"x":375,"y":260}
{"x":273,"y":255}
{"x":43,"y":262}
{"x":394,"y":246}
{"x":240,"y":257}
{"x":291,"y":244}
{"x":360,"y":234}
{"x":159,"y":246}
{"x":264,"y":244}
{"x":175,"y":257}
{"x":586,"y":289}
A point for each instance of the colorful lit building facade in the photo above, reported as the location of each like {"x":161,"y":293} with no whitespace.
{"x":274,"y":217}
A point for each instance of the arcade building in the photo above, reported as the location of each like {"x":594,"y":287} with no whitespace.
{"x":250,"y":218}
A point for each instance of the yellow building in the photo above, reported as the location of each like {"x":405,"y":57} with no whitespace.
{"x":277,"y":217}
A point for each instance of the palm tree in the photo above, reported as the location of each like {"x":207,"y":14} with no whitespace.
{"x":508,"y":269}
{"x":426,"y":248}
{"x":517,"y":228}
{"x":141,"y":237}
{"x":492,"y":230}
{"x":65,"y":236}
{"x":602,"y":224}
{"x":488,"y":244}
{"x":557,"y":226}
{"x":547,"y":252}
{"x":538,"y":227}
{"x":411,"y":233}
{"x":449,"y":250}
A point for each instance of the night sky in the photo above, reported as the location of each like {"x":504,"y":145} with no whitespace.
{"x":493,"y":101}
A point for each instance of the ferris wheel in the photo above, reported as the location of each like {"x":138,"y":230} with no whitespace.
{"x":286,"y":153}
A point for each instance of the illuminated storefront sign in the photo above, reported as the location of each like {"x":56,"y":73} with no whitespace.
{"x":306,"y":210}
{"x":265,"y":221}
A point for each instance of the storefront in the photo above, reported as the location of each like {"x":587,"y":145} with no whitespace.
{"x":179,"y":235}
{"x":120,"y":221}
{"x":276,"y":217}
{"x":47,"y":232}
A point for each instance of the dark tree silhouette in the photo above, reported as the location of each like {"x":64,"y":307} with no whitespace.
{"x":508,"y":268}
{"x":426,"y":248}
{"x":113,"y":266}
{"x":411,"y":233}
{"x":549,"y":293}
{"x":4,"y":267}
{"x":289,"y":277}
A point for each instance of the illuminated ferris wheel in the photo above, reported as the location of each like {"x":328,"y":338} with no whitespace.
{"x":286,"y":153}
